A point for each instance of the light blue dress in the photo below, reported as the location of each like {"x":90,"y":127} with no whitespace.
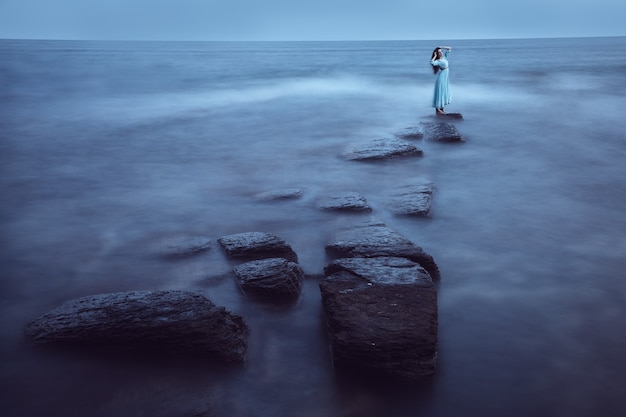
{"x":441,"y":96}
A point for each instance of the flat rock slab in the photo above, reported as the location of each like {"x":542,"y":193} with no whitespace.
{"x":375,"y":240}
{"x":380,"y":149}
{"x":185,"y":246}
{"x":274,"y":279}
{"x":381,"y":316}
{"x":457,"y":116}
{"x":161,"y":321}
{"x":349,"y":201}
{"x":442,"y":132}
{"x":411,"y":133}
{"x":283,"y":194}
{"x":257,"y":245}
{"x":413,"y":200}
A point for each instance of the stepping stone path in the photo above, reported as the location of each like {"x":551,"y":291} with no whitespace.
{"x":273,"y":279}
{"x":380,"y":149}
{"x":257,"y":245}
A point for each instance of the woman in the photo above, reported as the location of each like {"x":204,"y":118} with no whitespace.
{"x":439,"y":63}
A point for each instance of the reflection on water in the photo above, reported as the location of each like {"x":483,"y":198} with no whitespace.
{"x":101,"y":165}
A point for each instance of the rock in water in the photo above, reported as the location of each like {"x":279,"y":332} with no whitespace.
{"x":413,"y":200}
{"x":381,"y":149}
{"x":161,"y":321}
{"x":349,"y":201}
{"x":274,"y":279}
{"x":257,"y":245}
{"x":442,"y":132}
{"x":376,"y":240}
{"x":381,"y":316}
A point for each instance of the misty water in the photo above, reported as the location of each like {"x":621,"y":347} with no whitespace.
{"x":111,"y":150}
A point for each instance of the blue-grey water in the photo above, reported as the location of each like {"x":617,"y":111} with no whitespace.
{"x":109,"y":150}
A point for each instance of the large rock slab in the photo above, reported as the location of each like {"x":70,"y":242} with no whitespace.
{"x":442,"y":132}
{"x":413,"y":200}
{"x":274,"y":279}
{"x":158,"y":321}
{"x":374,"y":240}
{"x":380,"y":149}
{"x":381,"y":316}
{"x":257,"y":245}
{"x":348,"y":201}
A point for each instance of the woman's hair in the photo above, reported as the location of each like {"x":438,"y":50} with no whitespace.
{"x":434,"y":56}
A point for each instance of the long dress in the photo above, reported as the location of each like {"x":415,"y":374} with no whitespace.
{"x":441,"y":97}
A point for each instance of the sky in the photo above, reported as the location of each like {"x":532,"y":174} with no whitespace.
{"x":309,"y":20}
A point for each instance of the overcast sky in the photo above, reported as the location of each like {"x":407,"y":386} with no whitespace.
{"x":308,"y":20}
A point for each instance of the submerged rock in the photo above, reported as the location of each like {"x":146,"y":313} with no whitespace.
{"x":375,"y":240}
{"x":413,"y":200}
{"x":257,"y":245}
{"x":185,"y":246}
{"x":161,"y":321}
{"x":283,"y":194}
{"x":411,"y":133}
{"x":442,"y":132}
{"x":380,"y":149}
{"x":381,"y":316}
{"x":349,"y":201}
{"x":274,"y":279}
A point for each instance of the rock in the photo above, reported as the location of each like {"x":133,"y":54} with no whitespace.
{"x":381,"y":149}
{"x":257,"y":245}
{"x":274,"y":279}
{"x":450,"y":115}
{"x":284,"y":194}
{"x":413,"y":200}
{"x":381,"y":316}
{"x":411,"y":133}
{"x":161,"y":321}
{"x":186,"y":246}
{"x":350,"y":201}
{"x":442,"y":132}
{"x":376,"y":240}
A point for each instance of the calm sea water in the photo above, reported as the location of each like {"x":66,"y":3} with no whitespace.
{"x":109,"y":150}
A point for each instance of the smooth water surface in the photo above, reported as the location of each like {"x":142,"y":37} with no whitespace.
{"x":109,"y":150}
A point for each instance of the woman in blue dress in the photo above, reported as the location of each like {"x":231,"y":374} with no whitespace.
{"x":439,"y":62}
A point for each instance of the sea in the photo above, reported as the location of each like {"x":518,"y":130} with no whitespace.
{"x":110,"y":151}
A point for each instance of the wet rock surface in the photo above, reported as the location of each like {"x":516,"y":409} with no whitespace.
{"x":282,"y":194}
{"x":257,"y":245}
{"x":381,"y":316}
{"x":158,"y":321}
{"x":413,"y":200}
{"x":376,"y":239}
{"x":411,"y":133}
{"x":380,"y":149}
{"x":273,"y":279}
{"x":348,"y":201}
{"x":442,"y":132}
{"x":185,"y":246}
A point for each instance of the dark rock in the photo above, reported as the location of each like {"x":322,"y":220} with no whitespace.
{"x":450,"y":115}
{"x":284,"y":194}
{"x":185,"y":246}
{"x":442,"y":132}
{"x":376,"y":240}
{"x":381,"y":316}
{"x":411,"y":133}
{"x":158,"y":321}
{"x":350,"y":201}
{"x":381,"y":149}
{"x":272,"y":279}
{"x":257,"y":245}
{"x":413,"y":200}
